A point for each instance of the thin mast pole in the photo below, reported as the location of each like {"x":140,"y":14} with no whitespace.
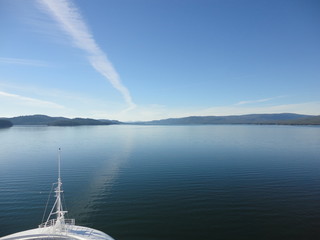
{"x":59,"y":160}
{"x":60,"y":212}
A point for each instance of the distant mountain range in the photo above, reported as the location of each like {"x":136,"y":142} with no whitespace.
{"x":281,"y":119}
{"x":57,"y":121}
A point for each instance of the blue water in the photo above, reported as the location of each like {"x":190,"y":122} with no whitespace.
{"x":167,"y":182}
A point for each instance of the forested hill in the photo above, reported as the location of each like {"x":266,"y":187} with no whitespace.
{"x":282,"y":118}
{"x":57,"y":121}
{"x":5,"y":123}
{"x":35,"y":120}
{"x":81,"y":122}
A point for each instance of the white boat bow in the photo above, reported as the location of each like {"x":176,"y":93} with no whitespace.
{"x":59,"y":227}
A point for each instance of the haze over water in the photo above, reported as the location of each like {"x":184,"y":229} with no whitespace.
{"x":167,"y":182}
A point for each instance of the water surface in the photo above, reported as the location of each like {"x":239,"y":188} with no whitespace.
{"x":167,"y":182}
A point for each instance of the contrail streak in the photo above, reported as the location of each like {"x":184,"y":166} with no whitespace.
{"x":70,"y":20}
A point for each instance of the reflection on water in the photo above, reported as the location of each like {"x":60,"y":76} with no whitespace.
{"x":167,"y":182}
{"x":104,"y":178}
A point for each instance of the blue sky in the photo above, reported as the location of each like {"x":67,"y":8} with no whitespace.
{"x":151,"y":59}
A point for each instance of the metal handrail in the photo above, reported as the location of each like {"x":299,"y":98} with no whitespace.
{"x":52,"y":222}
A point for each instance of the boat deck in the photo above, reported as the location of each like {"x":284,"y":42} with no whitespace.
{"x":71,"y":232}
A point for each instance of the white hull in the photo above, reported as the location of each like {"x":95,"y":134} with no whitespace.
{"x":70,"y":232}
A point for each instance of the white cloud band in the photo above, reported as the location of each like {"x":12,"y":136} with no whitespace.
{"x":30,"y":101}
{"x":20,"y":61}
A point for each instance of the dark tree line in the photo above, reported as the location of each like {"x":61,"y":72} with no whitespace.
{"x":5,"y":123}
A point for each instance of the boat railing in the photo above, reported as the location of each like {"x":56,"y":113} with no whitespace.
{"x":53,"y":222}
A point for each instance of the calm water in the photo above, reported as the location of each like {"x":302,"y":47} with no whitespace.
{"x":167,"y":182}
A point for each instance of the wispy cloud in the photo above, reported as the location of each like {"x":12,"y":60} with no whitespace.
{"x":70,"y":20}
{"x":258,"y":100}
{"x":30,"y":101}
{"x":20,"y":61}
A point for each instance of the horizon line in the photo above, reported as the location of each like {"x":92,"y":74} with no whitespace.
{"x":308,"y":115}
